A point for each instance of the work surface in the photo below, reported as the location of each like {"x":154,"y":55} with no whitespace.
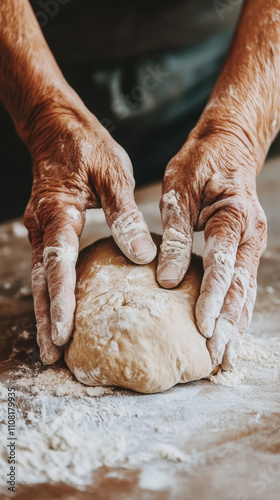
{"x":213,"y":439}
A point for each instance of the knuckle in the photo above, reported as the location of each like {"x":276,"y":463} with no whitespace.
{"x":56,"y":213}
{"x":49,"y":212}
{"x":115,"y":179}
{"x":120,"y":158}
{"x":170,"y":202}
{"x":261,"y":223}
{"x":170,"y":172}
{"x":124,"y":158}
{"x":237,"y":208}
{"x":28,"y":218}
{"x":31,"y":223}
{"x":258,"y":230}
{"x":234,"y":307}
{"x":228,"y":217}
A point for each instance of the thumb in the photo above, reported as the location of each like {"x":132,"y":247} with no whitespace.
{"x":116,"y":192}
{"x":128,"y":227}
{"x":176,"y":248}
{"x":131,"y":234}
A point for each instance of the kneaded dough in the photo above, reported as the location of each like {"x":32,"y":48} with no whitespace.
{"x":130,"y":332}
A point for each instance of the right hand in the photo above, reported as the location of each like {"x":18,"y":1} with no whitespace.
{"x":77,"y":165}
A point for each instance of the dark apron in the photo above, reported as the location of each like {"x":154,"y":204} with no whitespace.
{"x":145,"y":69}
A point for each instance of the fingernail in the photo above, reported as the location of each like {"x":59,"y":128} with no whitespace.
{"x":60,"y":333}
{"x":142,"y":245}
{"x":229,"y":363}
{"x":205,"y":323}
{"x":48,"y":358}
{"x":169,"y":276}
{"x":207,"y":328}
{"x":227,"y":367}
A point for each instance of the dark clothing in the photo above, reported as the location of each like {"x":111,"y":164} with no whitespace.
{"x":145,"y":69}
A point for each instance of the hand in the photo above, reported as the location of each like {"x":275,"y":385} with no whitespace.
{"x":210,"y":185}
{"x":77,"y":165}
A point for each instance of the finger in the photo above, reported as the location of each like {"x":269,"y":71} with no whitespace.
{"x":247,"y":311}
{"x":233,"y":346}
{"x":226,"y":324}
{"x":231,"y":351}
{"x":127,"y":224}
{"x":258,"y":242}
{"x":224,"y":345}
{"x":61,"y":245}
{"x":222,"y":236}
{"x":49,"y":352}
{"x":175,"y":251}
{"x":244,"y":320}
{"x":132,"y":235}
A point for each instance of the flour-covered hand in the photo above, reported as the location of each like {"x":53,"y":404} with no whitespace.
{"x":210,"y":185}
{"x":77,"y":165}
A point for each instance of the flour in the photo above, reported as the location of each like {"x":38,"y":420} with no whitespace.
{"x":80,"y":437}
{"x":228,"y":379}
{"x":154,"y":479}
{"x":73,"y":213}
{"x":176,"y":250}
{"x":64,"y":253}
{"x":218,"y":263}
{"x":126,"y":229}
{"x":19,"y":230}
{"x":259,"y":354}
{"x":223,"y":258}
{"x":171,"y":453}
{"x":55,"y":381}
{"x":173,"y":241}
{"x":132,"y":313}
{"x":72,"y":430}
{"x":170,"y":202}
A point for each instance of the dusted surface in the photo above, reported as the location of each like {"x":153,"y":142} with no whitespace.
{"x":199,"y":440}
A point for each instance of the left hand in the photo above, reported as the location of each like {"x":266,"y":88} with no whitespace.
{"x":210,"y":185}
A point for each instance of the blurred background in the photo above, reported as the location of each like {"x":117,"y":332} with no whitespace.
{"x":144,"y":68}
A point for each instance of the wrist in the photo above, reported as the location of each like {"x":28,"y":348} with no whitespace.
{"x":229,"y":128}
{"x":49,"y":113}
{"x":32,"y":86}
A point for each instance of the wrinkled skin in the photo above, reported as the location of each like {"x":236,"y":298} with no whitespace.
{"x":77,"y":166}
{"x":208,"y":186}
{"x":214,"y":196}
{"x":212,"y":181}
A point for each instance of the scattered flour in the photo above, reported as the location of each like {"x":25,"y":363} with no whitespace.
{"x":80,"y":437}
{"x":92,"y":427}
{"x":19,"y":230}
{"x":70,"y":430}
{"x":154,"y":479}
{"x":227,"y":379}
{"x":257,"y":354}
{"x":56,"y":381}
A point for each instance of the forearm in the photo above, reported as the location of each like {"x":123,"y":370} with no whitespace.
{"x":246,"y":97}
{"x":30,"y":78}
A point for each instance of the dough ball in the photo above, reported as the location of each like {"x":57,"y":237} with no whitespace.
{"x":129,"y":331}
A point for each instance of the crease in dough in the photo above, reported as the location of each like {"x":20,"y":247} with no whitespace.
{"x":129,"y":331}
